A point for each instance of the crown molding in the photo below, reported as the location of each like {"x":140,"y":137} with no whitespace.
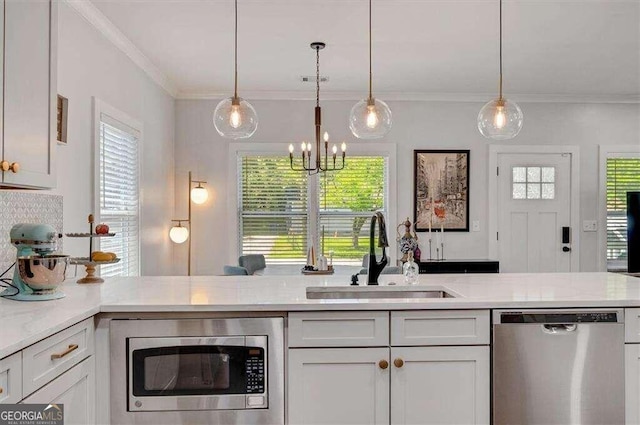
{"x":414,"y":97}
{"x":96,"y":18}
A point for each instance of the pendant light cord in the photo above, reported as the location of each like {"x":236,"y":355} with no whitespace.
{"x":500,"y":50}
{"x":235,"y":86}
{"x":370,"y":59}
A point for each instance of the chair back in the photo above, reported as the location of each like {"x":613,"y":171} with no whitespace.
{"x":234,"y":271}
{"x":252,"y":262}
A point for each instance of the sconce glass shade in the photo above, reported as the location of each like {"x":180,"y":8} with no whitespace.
{"x":199,"y":195}
{"x":500,"y":119}
{"x":235,"y":118}
{"x":370,"y":119}
{"x":179,"y":234}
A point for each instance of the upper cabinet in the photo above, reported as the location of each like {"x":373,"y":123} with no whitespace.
{"x":29,"y":93}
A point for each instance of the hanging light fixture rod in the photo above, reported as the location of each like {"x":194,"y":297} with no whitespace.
{"x":321,"y":164}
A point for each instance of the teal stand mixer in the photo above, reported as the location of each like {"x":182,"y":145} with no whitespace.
{"x":38,"y":273}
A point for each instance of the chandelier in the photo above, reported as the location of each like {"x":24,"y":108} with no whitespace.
{"x":322,"y":162}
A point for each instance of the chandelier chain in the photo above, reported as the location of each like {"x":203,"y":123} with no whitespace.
{"x":317,"y":76}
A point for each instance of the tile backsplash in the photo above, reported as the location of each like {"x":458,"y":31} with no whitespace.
{"x":26,"y":207}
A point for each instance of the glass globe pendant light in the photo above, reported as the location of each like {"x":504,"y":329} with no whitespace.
{"x":370,"y":118}
{"x":234,"y":117}
{"x":500,"y":119}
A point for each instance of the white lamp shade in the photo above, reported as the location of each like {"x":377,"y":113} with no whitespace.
{"x":179,"y":234}
{"x":500,"y":120}
{"x":235,"y":121}
{"x":199,"y":195}
{"x":370,"y":121}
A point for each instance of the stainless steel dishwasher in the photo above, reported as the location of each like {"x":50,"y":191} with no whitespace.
{"x":558,"y":367}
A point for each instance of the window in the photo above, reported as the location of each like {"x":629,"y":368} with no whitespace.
{"x":533,"y":182}
{"x":119,"y":193}
{"x":281,"y":211}
{"x":623,"y":175}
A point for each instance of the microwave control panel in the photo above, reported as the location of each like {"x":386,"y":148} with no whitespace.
{"x":255,"y":371}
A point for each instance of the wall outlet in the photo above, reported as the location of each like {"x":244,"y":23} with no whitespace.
{"x":475,"y":226}
{"x":589,"y":226}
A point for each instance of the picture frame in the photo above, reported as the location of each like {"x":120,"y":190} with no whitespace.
{"x":441,"y":190}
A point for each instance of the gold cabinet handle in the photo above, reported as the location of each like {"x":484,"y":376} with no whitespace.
{"x":383,"y":364}
{"x":14,"y":167}
{"x":1,"y":390}
{"x":71,"y":348}
{"x":398,"y":363}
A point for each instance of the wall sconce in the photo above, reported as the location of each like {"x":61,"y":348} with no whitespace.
{"x":180,"y":234}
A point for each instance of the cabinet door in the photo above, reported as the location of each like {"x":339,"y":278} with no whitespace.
{"x":75,"y":389}
{"x":440,"y":385}
{"x":632,"y":383}
{"x":30,"y":34}
{"x":338,"y":386}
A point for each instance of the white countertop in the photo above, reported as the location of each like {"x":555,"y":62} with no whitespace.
{"x":24,"y":323}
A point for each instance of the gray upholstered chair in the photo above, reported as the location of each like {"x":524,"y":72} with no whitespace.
{"x":234,"y":271}
{"x":252,"y":262}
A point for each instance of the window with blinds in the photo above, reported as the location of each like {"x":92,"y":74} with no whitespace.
{"x":119,"y":197}
{"x":273,"y":209}
{"x":347,"y":200}
{"x":277,"y":207}
{"x":623,"y":175}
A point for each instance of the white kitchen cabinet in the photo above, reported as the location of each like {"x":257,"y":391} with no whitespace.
{"x":338,"y":386}
{"x":632,"y":384}
{"x":440,"y":385}
{"x":75,"y":389}
{"x":29,"y":94}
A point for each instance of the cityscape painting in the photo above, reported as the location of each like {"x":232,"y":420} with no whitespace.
{"x":441,"y":190}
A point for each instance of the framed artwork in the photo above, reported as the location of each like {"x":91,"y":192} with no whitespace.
{"x":441,"y":190}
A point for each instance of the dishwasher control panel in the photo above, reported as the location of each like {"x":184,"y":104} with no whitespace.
{"x":560,"y":317}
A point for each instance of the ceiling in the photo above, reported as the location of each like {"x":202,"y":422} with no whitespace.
{"x":573,"y":48}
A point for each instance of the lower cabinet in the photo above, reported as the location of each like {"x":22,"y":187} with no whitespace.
{"x":338,"y":386}
{"x":75,"y":389}
{"x":632,"y":384}
{"x":440,"y":385}
{"x":397,"y":385}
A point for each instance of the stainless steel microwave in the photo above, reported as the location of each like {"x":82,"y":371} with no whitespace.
{"x":197,"y":371}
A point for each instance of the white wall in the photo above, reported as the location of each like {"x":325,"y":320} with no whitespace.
{"x":417,"y":125}
{"x":89,"y":65}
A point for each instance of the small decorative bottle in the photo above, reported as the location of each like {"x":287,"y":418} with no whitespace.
{"x":410,"y":270}
{"x":417,"y":253}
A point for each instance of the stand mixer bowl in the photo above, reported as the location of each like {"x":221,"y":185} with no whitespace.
{"x":43,"y":273}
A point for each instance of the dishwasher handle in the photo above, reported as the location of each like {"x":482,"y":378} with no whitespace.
{"x":558,"y":328}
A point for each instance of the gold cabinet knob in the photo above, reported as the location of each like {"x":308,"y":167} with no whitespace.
{"x":383,"y":364}
{"x":14,"y":167}
{"x":398,"y":363}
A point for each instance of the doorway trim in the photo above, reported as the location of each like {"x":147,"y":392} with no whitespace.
{"x":574,"y":151}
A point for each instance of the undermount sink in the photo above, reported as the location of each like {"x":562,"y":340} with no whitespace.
{"x":346,"y":292}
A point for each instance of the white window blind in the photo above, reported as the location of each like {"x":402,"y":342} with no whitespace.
{"x":272,"y":209}
{"x":276,"y":203}
{"x":120,"y":195}
{"x":347,"y":200}
{"x":623,"y":175}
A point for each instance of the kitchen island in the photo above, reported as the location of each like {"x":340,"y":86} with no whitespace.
{"x":466,"y":316}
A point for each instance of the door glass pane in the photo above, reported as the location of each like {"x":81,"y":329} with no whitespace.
{"x":533,"y":174}
{"x":519,"y":191}
{"x":519,"y":174}
{"x":548,"y":191}
{"x":548,"y":174}
{"x":533,"y":191}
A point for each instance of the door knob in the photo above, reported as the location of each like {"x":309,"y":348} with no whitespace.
{"x":566,"y":249}
{"x":398,"y":363}
{"x":383,"y":364}
{"x":14,"y":167}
